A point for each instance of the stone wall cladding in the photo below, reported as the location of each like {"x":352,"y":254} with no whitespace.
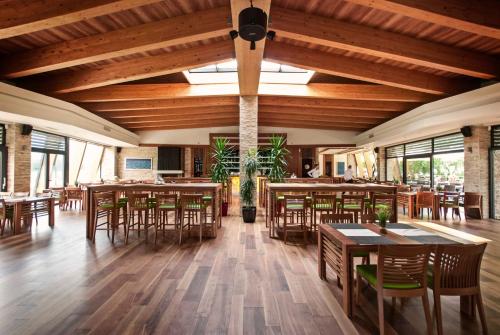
{"x":381,"y":164}
{"x":496,"y":171}
{"x":248,"y":127}
{"x":18,"y":159}
{"x":137,"y":152}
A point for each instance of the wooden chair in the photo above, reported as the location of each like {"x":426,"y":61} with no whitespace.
{"x":450,"y":188}
{"x":337,"y":218}
{"x":368,"y":218}
{"x":380,"y":201}
{"x":20,"y":194}
{"x":401,"y":272}
{"x":473,"y":200}
{"x":456,"y":273}
{"x":424,"y":200}
{"x":165,"y":204}
{"x":5,"y":194}
{"x":322,"y":204}
{"x":5,"y":217}
{"x":73,"y":196}
{"x":106,"y":206}
{"x":192,"y":209}
{"x":402,"y":201}
{"x":450,"y":200}
{"x":139,"y":203}
{"x":294,"y":215}
{"x":353,"y":203}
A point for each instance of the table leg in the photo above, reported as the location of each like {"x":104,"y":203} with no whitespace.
{"x":435,"y":209}
{"x":17,"y":218}
{"x":321,"y":260}
{"x":90,"y":215}
{"x":411,"y":206}
{"x":50,"y":204}
{"x":347,"y":282}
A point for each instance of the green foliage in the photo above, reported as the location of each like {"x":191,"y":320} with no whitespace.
{"x":250,"y":166}
{"x":383,"y":215}
{"x":219,"y":171}
{"x":278,"y":154}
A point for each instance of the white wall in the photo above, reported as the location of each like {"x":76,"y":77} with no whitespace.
{"x":200,"y":136}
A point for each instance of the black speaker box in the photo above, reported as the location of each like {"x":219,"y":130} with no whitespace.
{"x":466,"y":131}
{"x":26,"y":129}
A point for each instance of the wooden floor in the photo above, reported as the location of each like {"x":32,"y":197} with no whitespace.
{"x":56,"y":282}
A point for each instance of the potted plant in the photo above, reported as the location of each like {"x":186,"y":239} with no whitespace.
{"x":247,"y":188}
{"x":383,"y":215}
{"x":219,"y":171}
{"x":277,"y":158}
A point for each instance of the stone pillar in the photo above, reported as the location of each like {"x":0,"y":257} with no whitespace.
{"x":248,"y":127}
{"x":18,"y":160}
{"x":188,"y":162}
{"x":381,"y":164}
{"x":496,"y":179}
{"x":476,"y":164}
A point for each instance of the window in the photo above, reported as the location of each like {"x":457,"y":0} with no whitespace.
{"x":448,"y":169}
{"x":90,"y":162}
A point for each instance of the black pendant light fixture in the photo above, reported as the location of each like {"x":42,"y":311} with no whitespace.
{"x":252,"y":26}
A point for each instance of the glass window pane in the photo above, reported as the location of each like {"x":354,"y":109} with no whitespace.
{"x":449,"y":170}
{"x":89,"y":171}
{"x":56,"y":170}
{"x":76,"y":149}
{"x":418,"y":171}
{"x":38,"y":170}
{"x":395,"y":169}
{"x":108,"y":164}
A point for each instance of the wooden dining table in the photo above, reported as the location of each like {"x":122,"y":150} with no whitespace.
{"x":310,"y":188}
{"x":26,"y":207}
{"x":215,"y":190}
{"x":337,"y":243}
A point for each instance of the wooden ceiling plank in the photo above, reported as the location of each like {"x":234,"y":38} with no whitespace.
{"x":24,"y":17}
{"x":385,"y":44}
{"x":140,"y":68}
{"x":168,"y":111}
{"x":313,"y":117}
{"x":171,"y":118}
{"x":470,"y":16}
{"x":113,"y":106}
{"x":181,"y":90}
{"x":174,"y":125}
{"x":304,"y":121}
{"x":358,"y":69}
{"x":149,"y":36}
{"x":338,"y":103}
{"x":327,"y":112}
{"x":249,"y":61}
{"x":309,"y":126}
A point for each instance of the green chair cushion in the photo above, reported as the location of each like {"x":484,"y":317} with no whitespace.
{"x":207,"y":198}
{"x":323,"y":206}
{"x":281,"y":197}
{"x":369,"y":272}
{"x":167,"y":206}
{"x":351,"y":206}
{"x":107,"y":206}
{"x":295,"y":206}
{"x":194,"y":206}
{"x":124,"y":199}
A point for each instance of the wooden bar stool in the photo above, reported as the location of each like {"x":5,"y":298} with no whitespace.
{"x":165,"y":204}
{"x":106,"y":206}
{"x":295,"y":209}
{"x":322,"y":204}
{"x":138,"y":203}
{"x":192,"y":211}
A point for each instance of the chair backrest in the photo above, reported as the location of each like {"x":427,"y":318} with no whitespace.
{"x":166,"y":199}
{"x":403,"y":265}
{"x":450,"y":188}
{"x":103,"y":200}
{"x":425,"y":199}
{"x":191,"y":201}
{"x":3,"y":209}
{"x":138,"y":200}
{"x":458,"y":266}
{"x":450,"y":198}
{"x":472,"y":199}
{"x":73,"y":192}
{"x":5,"y":194}
{"x":383,"y":199}
{"x":337,"y":218}
{"x":294,"y":200}
{"x":20,"y":194}
{"x":353,"y":199}
{"x":328,"y":200}
{"x":368,"y":218}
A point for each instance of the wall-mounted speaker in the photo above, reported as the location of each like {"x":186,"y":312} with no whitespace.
{"x":26,"y":129}
{"x":376,"y":150}
{"x":118,"y":149}
{"x":466,"y":131}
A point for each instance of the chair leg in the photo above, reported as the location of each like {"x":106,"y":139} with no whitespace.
{"x":427,"y":311}
{"x":358,"y":288}
{"x":380,"y":302}
{"x":480,"y":309}
{"x":437,"y":313}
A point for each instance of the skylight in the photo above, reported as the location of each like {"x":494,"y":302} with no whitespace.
{"x":227,"y":73}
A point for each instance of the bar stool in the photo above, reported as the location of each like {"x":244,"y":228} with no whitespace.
{"x":73,"y":195}
{"x":322,"y":204}
{"x":6,"y":215}
{"x":165,"y":203}
{"x":138,"y":203}
{"x":106,"y":206}
{"x":353,"y":203}
{"x":295,"y":207}
{"x":192,"y":209}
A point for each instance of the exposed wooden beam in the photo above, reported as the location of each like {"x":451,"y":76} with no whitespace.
{"x":304,"y":120}
{"x":336,"y":103}
{"x":309,"y":126}
{"x":24,"y":17}
{"x":173,"y":91}
{"x":110,"y":106}
{"x":475,"y":17}
{"x":249,"y":61}
{"x":205,"y":124}
{"x":359,"y":69}
{"x":139,"y":68}
{"x":176,"y":118}
{"x":376,"y":42}
{"x":318,"y":118}
{"x":327,"y":112}
{"x":168,"y":112}
{"x":149,"y":36}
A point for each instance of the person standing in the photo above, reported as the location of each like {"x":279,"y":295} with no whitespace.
{"x":314,"y":172}
{"x":348,"y":174}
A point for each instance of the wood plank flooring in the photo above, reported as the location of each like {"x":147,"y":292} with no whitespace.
{"x":242,"y":282}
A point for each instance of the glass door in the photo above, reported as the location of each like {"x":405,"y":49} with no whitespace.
{"x":47,"y":170}
{"x":3,"y":169}
{"x":56,"y":170}
{"x":418,"y":171}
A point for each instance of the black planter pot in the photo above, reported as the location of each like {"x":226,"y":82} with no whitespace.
{"x":249,"y":214}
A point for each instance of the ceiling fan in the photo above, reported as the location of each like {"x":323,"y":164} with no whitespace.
{"x":252,"y":26}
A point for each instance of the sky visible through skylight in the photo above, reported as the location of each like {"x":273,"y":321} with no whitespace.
{"x":227,"y":72}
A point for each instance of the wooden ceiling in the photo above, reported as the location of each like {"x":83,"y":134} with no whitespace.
{"x":375,"y":60}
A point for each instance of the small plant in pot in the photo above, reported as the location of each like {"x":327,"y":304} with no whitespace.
{"x":219,"y":171}
{"x":383,"y":216}
{"x":247,"y":188}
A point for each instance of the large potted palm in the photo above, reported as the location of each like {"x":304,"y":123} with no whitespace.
{"x":277,"y":158}
{"x":247,"y":188}
{"x":219,"y":171}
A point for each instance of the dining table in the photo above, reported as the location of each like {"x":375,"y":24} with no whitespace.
{"x":338,"y":243}
{"x":24,"y":208}
{"x":214,"y":189}
{"x":272,"y":189}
